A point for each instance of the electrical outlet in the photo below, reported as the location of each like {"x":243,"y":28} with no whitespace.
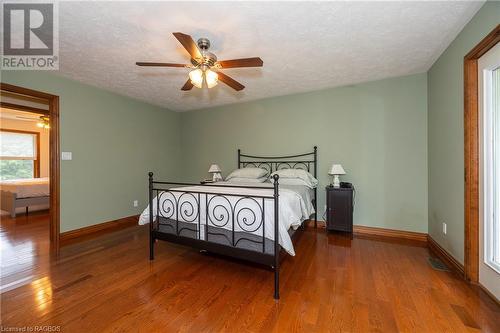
{"x":66,"y":155}
{"x":136,"y":203}
{"x":444,"y":228}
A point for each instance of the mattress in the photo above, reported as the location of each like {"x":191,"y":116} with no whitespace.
{"x":26,"y":188}
{"x":242,"y":203}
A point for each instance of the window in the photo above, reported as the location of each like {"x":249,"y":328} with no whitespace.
{"x":492,"y":171}
{"x":19,"y":154}
{"x":494,"y":228}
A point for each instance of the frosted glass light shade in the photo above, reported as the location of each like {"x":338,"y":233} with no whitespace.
{"x":211,"y":77}
{"x":336,"y":169}
{"x":214,"y":168}
{"x":196,"y":77}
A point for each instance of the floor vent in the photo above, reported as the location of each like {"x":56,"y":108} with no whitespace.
{"x":437,"y":264}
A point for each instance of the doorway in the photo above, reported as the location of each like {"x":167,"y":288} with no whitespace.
{"x":475,"y":241}
{"x":45,"y":106}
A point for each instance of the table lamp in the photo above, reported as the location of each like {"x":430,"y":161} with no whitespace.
{"x":215,"y":171}
{"x":335,"y":171}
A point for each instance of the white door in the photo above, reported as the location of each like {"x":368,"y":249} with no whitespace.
{"x":489,"y":221}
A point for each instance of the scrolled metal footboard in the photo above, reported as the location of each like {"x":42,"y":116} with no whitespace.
{"x":232,"y":224}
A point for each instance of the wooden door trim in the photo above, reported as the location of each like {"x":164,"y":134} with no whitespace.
{"x":54,"y":152}
{"x":26,"y":98}
{"x":471,"y":153}
{"x":23,"y":108}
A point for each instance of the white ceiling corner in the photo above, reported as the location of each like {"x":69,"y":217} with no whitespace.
{"x":305,"y":46}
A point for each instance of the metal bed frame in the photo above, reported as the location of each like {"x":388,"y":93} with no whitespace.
{"x":219,"y":221}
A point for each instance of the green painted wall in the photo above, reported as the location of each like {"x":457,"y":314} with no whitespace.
{"x":400,"y":141}
{"x":376,"y":130}
{"x":115,"y":141}
{"x":446,"y":132}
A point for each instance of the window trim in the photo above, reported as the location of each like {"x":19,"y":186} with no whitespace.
{"x":490,"y":201}
{"x":36,"y":161}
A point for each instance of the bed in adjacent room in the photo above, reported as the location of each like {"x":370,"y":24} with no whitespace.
{"x":265,"y":199}
{"x":16,"y":193}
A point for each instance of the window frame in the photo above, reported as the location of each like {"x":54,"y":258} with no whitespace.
{"x":36,"y":161}
{"x":491,"y":182}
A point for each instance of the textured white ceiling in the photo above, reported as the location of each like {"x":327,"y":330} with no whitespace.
{"x":305,"y":46}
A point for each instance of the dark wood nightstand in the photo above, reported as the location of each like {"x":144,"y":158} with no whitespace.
{"x":339,"y":207}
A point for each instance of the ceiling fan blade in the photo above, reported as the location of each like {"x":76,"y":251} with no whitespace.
{"x":159,"y":64}
{"x":189,"y":44}
{"x":230,"y":81}
{"x":30,"y":118}
{"x":244,"y":62}
{"x":187,"y":86}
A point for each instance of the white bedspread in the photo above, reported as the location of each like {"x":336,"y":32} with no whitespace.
{"x":294,"y":207}
{"x":27,"y":188}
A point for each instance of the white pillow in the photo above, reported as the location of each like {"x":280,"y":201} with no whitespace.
{"x":253,"y":173}
{"x":293,"y":181}
{"x":295,"y":177}
{"x":247,"y":180}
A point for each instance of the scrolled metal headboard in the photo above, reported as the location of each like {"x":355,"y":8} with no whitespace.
{"x":274,"y":163}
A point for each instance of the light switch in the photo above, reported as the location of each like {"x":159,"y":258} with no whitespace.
{"x":66,"y":156}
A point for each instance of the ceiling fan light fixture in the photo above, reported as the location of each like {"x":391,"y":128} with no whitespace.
{"x":44,"y":122}
{"x":196,"y":77}
{"x":201,"y":62}
{"x":211,"y":77}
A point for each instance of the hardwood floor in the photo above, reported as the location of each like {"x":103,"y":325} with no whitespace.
{"x":24,"y":241}
{"x":334,"y":284}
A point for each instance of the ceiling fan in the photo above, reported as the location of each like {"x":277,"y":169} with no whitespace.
{"x":42,"y":121}
{"x":204,"y":63}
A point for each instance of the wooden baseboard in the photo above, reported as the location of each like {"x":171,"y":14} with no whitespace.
{"x":360,"y":231}
{"x":97,"y":229}
{"x":487,"y":292}
{"x":416,"y":238}
{"x":445,"y":256}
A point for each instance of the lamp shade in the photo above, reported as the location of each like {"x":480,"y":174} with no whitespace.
{"x":336,"y":169}
{"x":214,"y":168}
{"x":196,"y":77}
{"x":211,"y":78}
